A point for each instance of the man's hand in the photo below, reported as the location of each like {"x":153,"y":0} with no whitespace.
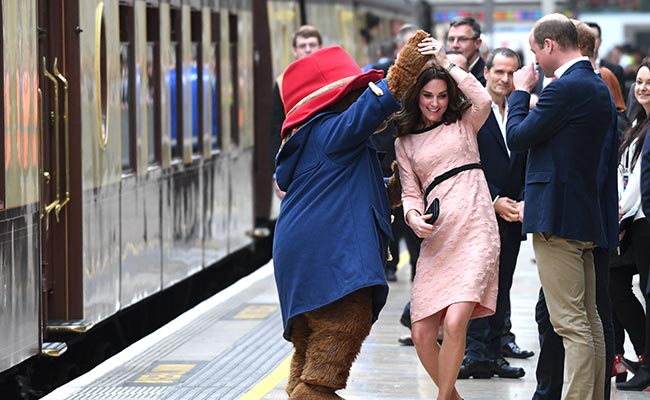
{"x":507,"y":209}
{"x":526,"y":78}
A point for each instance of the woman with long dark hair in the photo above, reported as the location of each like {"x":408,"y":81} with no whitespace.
{"x":637,"y":231}
{"x":456,"y":277}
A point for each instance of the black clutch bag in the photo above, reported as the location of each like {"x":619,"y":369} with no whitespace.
{"x":434,"y":210}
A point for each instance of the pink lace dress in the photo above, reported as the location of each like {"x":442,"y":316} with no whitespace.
{"x":459,"y":262}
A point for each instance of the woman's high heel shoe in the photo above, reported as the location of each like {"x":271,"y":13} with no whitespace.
{"x":618,"y":370}
{"x":639,"y":382}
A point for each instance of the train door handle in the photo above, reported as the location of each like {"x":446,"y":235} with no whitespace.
{"x":46,"y":210}
{"x":66,"y":139}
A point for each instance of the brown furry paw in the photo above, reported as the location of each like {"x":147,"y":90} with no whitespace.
{"x":305,"y":391}
{"x":394,"y":187}
{"x":403,"y":74}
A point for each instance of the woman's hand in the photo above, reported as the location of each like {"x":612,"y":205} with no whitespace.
{"x":432,"y":47}
{"x":418,"y":224}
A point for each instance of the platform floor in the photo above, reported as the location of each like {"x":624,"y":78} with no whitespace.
{"x":230,"y":347}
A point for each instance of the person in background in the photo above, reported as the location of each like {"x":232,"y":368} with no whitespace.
{"x":616,"y":69}
{"x":637,"y":233}
{"x":504,"y":171}
{"x":458,"y":58}
{"x":437,"y":129}
{"x":464,"y":35}
{"x":565,"y":219}
{"x":306,"y":40}
{"x":385,"y":57}
{"x":550,"y":365}
{"x":645,"y":155}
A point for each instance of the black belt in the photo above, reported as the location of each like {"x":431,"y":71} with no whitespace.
{"x":446,"y":175}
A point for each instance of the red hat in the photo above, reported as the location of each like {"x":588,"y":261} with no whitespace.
{"x":319,"y":80}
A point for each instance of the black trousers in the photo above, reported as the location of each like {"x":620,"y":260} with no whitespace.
{"x":550,"y":365}
{"x":640,"y":246}
{"x":484,"y":334}
{"x":627,"y":311}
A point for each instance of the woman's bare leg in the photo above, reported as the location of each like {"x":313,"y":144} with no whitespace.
{"x":425,"y":336}
{"x":453,"y":348}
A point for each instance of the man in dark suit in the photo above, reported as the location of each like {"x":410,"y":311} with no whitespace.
{"x":616,"y":69}
{"x":504,"y":172}
{"x":465,"y":36}
{"x":550,"y":365}
{"x":564,"y":135}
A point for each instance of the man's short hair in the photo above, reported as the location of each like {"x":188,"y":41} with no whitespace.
{"x":460,"y":21}
{"x":307,"y":31}
{"x":586,"y":39}
{"x":504,"y":51}
{"x":561,"y":30}
{"x":597,"y":27}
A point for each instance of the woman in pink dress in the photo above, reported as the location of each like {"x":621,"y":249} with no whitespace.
{"x":457,"y":272}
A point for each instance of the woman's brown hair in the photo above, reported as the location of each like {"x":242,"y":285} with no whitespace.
{"x":638,"y":130}
{"x":409,"y":118}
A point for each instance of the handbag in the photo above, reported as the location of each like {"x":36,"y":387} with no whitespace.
{"x":434,"y":207}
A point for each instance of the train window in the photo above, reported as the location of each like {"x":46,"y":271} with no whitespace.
{"x":195,"y":98}
{"x":101,"y":77}
{"x":234,"y":79}
{"x":5,"y":97}
{"x":126,"y":89}
{"x":149,"y":96}
{"x":175,"y":84}
{"x":197,"y":82}
{"x":215,"y":65}
{"x":153,"y":95}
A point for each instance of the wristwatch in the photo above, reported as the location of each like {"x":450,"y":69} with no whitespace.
{"x":450,"y":66}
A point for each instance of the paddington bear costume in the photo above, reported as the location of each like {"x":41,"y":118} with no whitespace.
{"x":332,"y":233}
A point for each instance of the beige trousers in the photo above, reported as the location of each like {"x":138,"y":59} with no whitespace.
{"x":566,"y":271}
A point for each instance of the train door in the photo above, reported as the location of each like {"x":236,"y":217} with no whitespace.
{"x":58,"y":55}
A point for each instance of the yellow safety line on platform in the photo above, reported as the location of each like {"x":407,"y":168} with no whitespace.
{"x":267,"y":384}
{"x":282,"y":371}
{"x":404,"y":257}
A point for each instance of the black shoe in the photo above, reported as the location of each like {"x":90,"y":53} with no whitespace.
{"x":640,"y":381}
{"x":477,"y":369}
{"x":502,"y":369}
{"x":406,"y":340}
{"x":511,"y":350}
{"x":630,"y":365}
{"x":391,"y":276}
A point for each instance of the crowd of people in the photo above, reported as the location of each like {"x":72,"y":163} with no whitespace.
{"x":482,"y":152}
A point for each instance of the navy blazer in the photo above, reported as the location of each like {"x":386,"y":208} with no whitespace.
{"x":564,"y":136}
{"x":505,"y":173}
{"x":478,"y":71}
{"x":645,"y":176}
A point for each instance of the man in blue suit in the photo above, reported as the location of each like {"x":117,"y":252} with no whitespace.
{"x":564,"y":135}
{"x":550,"y":365}
{"x":504,"y":172}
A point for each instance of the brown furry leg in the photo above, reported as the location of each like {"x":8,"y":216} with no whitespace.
{"x":338,"y":330}
{"x":300,"y":332}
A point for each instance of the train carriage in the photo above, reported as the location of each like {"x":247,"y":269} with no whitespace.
{"x":135,"y":147}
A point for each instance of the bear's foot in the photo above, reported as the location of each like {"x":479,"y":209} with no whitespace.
{"x":305,"y":391}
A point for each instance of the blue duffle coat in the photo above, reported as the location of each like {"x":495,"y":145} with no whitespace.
{"x":333,"y":229}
